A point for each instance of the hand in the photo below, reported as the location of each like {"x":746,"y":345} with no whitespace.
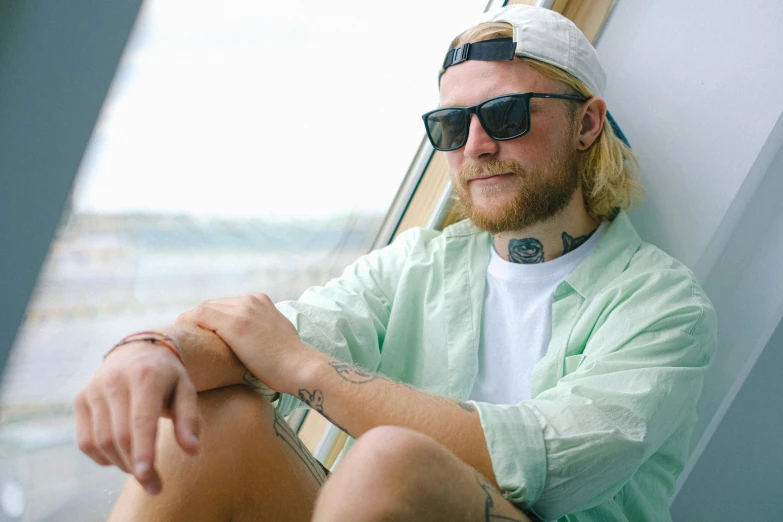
{"x":258,"y":334}
{"x":117,"y":413}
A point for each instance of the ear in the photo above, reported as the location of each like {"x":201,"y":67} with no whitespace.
{"x":591,"y":119}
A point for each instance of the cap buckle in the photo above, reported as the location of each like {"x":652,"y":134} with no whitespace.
{"x":460,"y":54}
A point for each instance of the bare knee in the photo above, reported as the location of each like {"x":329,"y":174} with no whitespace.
{"x":230,"y":422}
{"x":232,"y":401}
{"x":387,"y":472}
{"x":227,"y":416}
{"x":237,"y":407}
{"x":247,"y":467}
{"x":393,"y":450}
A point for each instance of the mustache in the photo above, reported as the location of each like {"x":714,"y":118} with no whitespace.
{"x":494,"y":168}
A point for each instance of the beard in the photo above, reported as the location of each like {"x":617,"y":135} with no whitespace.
{"x":540,"y":194}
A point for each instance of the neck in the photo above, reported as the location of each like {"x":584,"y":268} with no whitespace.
{"x":549,"y":239}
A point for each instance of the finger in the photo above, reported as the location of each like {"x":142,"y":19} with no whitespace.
{"x":223,"y":301}
{"x":185,"y":416}
{"x":212,"y":316}
{"x":227,"y":302}
{"x":204,"y":314}
{"x":148,"y":397}
{"x":84,"y":432}
{"x":102,"y":432}
{"x":119,"y":408}
{"x":153,"y":484}
{"x":264,"y":298}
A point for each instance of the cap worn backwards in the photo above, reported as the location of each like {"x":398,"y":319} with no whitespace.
{"x":541,"y":34}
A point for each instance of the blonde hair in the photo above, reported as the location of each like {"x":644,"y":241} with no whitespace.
{"x":608,"y":168}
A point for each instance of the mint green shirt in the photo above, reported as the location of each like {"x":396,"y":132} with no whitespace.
{"x":613,"y":405}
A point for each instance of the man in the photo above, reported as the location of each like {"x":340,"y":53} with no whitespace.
{"x":547,"y":353}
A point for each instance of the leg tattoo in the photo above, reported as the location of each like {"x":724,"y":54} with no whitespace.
{"x":284,"y":431}
{"x":489,"y":491}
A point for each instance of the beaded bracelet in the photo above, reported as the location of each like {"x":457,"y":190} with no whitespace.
{"x":153,"y":338}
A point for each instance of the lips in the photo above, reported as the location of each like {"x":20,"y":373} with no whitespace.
{"x":488,"y":176}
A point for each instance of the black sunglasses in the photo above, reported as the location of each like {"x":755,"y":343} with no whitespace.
{"x":503,"y":118}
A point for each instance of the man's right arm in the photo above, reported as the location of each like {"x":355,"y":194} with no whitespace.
{"x":117,"y":413}
{"x":141,"y":382}
{"x":209,"y":361}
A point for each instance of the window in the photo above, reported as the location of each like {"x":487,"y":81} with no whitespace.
{"x":251,"y":147}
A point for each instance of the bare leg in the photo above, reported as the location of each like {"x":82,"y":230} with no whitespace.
{"x":395,"y":474}
{"x":251,"y":467}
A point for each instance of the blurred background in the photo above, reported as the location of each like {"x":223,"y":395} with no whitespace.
{"x":243,"y":147}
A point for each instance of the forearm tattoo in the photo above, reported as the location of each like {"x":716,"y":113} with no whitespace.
{"x":354,"y":374}
{"x":284,"y":431}
{"x":527,"y":251}
{"x":466,"y":406}
{"x":315,"y":400}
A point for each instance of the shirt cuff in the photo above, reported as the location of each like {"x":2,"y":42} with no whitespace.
{"x":516,"y":448}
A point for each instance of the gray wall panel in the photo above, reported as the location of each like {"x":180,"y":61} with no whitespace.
{"x":740,"y":473}
{"x":57,"y":60}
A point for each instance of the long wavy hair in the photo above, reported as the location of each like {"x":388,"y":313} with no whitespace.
{"x":608,"y":170}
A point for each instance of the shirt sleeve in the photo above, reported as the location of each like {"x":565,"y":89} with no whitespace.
{"x":575,"y":445}
{"x":347,"y":317}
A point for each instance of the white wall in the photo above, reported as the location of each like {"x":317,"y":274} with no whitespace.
{"x":698,"y":89}
{"x":696,"y":86}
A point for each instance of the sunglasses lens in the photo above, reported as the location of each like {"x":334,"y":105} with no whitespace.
{"x":447,"y":128}
{"x":506,"y":117}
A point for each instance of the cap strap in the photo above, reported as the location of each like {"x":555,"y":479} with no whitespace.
{"x":497,"y":49}
{"x":617,"y":130}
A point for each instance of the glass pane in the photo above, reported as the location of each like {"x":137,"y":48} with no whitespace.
{"x":232,"y":156}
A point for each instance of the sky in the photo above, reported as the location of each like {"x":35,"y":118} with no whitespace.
{"x":268,"y":109}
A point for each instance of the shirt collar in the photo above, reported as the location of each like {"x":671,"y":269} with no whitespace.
{"x":607,"y":260}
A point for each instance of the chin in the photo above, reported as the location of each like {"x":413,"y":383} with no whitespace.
{"x":507,"y":209}
{"x":493,"y":218}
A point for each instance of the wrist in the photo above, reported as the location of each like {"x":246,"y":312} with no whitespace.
{"x":303,"y":369}
{"x":152,"y":338}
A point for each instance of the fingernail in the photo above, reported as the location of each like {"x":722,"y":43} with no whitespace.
{"x":141,"y":469}
{"x":193,"y":439}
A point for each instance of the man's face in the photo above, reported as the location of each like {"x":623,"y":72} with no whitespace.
{"x":510,"y":185}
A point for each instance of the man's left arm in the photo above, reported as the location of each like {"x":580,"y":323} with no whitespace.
{"x":357,"y":400}
{"x":351,"y":397}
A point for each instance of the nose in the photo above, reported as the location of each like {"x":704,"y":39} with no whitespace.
{"x":479,"y":144}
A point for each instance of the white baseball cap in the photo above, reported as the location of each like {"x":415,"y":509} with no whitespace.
{"x":545,"y":35}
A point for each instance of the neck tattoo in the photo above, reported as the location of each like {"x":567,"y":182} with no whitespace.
{"x":528,"y":250}
{"x":531,"y":250}
{"x":572,"y":243}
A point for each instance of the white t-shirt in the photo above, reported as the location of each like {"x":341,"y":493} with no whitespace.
{"x":517,"y":321}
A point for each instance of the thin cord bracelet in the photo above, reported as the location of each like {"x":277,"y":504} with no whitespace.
{"x":149,"y":333}
{"x":153,"y":340}
{"x":159,"y":335}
